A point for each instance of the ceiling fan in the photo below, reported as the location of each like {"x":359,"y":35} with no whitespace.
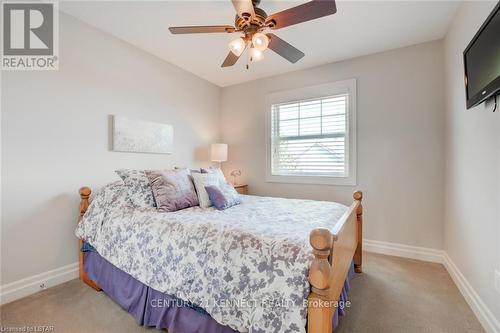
{"x":253,"y":23}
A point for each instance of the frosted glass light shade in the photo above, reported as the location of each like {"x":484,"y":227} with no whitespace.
{"x":256,"y":55}
{"x":260,"y":41}
{"x":237,"y":46}
{"x":218,"y":152}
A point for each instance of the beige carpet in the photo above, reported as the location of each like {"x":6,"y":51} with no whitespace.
{"x":393,"y":295}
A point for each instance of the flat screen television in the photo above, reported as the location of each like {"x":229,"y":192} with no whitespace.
{"x":482,"y":61}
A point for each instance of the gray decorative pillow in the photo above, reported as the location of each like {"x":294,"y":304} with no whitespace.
{"x":172,"y":189}
{"x":138,"y":187}
{"x":223,"y":196}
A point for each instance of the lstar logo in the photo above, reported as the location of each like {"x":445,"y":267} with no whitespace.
{"x":30,"y":36}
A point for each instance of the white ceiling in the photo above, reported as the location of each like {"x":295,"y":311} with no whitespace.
{"x":358,"y":28}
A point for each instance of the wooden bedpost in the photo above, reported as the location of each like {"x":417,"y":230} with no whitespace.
{"x":358,"y":255}
{"x":84,"y":205}
{"x":334,"y":252}
{"x":84,"y":202}
{"x":320,"y":311}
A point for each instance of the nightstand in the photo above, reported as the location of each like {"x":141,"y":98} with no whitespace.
{"x":241,"y":188}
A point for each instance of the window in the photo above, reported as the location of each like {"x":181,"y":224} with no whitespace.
{"x":312,"y":135}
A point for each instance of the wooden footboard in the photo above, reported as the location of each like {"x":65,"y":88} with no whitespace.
{"x":334,"y":252}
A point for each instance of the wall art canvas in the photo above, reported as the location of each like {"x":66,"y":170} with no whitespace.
{"x":133,"y":135}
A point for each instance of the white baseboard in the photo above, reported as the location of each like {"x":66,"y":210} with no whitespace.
{"x":405,"y":251}
{"x":30,"y":285}
{"x":482,"y":312}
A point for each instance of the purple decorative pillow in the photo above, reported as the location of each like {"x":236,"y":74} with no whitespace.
{"x":172,"y":189}
{"x":222,"y":197}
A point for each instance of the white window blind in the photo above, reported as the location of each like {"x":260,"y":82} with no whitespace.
{"x":308,"y":137}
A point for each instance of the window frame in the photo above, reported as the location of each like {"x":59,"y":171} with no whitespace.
{"x":316,"y":92}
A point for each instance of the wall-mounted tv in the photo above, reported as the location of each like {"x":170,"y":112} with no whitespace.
{"x":482,"y":61}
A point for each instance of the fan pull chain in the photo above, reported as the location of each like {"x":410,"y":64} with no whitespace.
{"x":249,"y":58}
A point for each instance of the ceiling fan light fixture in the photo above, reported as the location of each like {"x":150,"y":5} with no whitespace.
{"x":260,"y":41}
{"x":252,"y":22}
{"x":256,"y":55}
{"x":237,"y":46}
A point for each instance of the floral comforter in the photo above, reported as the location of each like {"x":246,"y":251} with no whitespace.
{"x":246,"y":266}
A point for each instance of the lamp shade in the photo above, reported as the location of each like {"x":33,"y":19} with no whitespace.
{"x":218,"y":152}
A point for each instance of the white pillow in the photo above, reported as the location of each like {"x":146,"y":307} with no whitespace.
{"x":201,"y":180}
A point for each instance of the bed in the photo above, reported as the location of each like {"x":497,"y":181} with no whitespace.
{"x":266,"y":251}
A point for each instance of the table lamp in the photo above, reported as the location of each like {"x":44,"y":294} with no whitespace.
{"x":218,"y":153}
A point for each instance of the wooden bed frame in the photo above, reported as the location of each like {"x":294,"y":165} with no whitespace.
{"x":333,"y":251}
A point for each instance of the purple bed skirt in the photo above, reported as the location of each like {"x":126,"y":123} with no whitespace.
{"x":153,"y":308}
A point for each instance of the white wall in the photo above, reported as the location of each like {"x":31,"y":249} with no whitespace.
{"x":55,"y":137}
{"x":400,"y":140}
{"x":472,"y":168}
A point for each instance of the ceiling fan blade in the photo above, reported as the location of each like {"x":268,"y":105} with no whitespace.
{"x":230,"y":60}
{"x":244,"y":8}
{"x":306,"y":12}
{"x":284,"y":49}
{"x":200,"y":29}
